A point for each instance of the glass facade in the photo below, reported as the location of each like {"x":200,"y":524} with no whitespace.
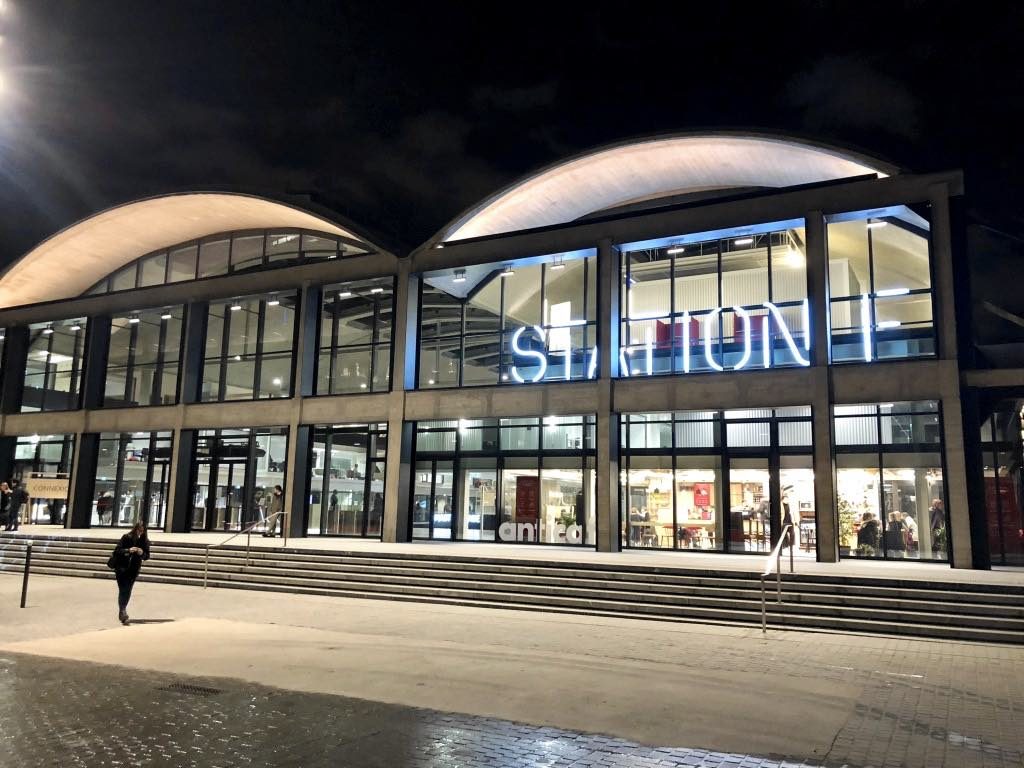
{"x":53,"y":369}
{"x":42,"y":463}
{"x":346,"y":480}
{"x":880,"y":286}
{"x":143,"y":358}
{"x":724,"y":304}
{"x":528,"y":480}
{"x":355,"y":338}
{"x":509,"y":324}
{"x":227,"y":253}
{"x":234,"y":472}
{"x":132,"y":479}
{"x":889,"y":481}
{"x":1003,"y":465}
{"x":717,"y":480}
{"x":249,"y":344}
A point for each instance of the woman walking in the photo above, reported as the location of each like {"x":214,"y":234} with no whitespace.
{"x":131,"y":551}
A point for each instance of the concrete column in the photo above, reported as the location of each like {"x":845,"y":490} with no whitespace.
{"x":955,"y":480}
{"x":191,"y":370}
{"x":825,"y":517}
{"x":82,"y":484}
{"x":179,"y":502}
{"x":974,"y":410}
{"x":304,"y":367}
{"x":398,"y":468}
{"x":14,"y":358}
{"x":94,"y":372}
{"x":608,"y":323}
{"x":942,"y":268}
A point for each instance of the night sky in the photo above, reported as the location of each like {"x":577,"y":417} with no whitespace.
{"x":400,"y":116}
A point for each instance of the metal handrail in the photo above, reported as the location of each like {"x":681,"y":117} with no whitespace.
{"x":776,"y":556}
{"x":248,"y":541}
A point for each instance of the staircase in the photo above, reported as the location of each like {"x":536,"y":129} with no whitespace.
{"x":974,"y":612}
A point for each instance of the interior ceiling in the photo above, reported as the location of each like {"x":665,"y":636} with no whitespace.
{"x":71,"y":261}
{"x":656,"y":168}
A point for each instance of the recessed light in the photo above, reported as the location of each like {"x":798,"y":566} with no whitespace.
{"x":363,"y":385}
{"x":430,"y":382}
{"x":277,"y":381}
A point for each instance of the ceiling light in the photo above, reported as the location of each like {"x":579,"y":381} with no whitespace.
{"x":743,"y":241}
{"x":460,"y":276}
{"x":889,"y":324}
{"x":430,"y":382}
{"x":893,"y":292}
{"x":675,"y":249}
{"x":376,"y":290}
{"x":277,"y":381}
{"x":47,"y":331}
{"x":345,"y":294}
{"x":238,"y":357}
{"x":76,"y":327}
{"x":508,"y":271}
{"x":273,"y":302}
{"x":133,"y":320}
{"x":363,"y":385}
{"x":165,"y":317}
{"x":235,"y":307}
{"x":876,"y":224}
{"x":439,"y":246}
{"x":794,"y":258}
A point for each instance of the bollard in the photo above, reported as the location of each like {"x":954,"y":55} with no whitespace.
{"x":24,"y":581}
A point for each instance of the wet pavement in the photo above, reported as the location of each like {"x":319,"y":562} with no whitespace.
{"x":61,"y":713}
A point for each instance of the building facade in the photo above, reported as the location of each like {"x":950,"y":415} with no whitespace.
{"x":683,"y":343}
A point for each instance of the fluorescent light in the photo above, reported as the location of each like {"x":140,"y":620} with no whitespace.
{"x":273,"y":302}
{"x":431,"y":382}
{"x":277,"y":381}
{"x":363,"y":385}
{"x":165,"y":317}
{"x":345,"y":295}
{"x":743,"y":241}
{"x":888,"y":324}
{"x":893,"y":292}
{"x":376,"y":290}
{"x":504,"y":377}
{"x":557,"y":265}
{"x":76,"y":327}
{"x":885,"y":405}
{"x":675,"y":249}
{"x":133,"y":320}
{"x":439,"y":246}
{"x":460,"y":276}
{"x":238,"y":357}
{"x":47,"y":331}
{"x":876,"y":224}
{"x":508,"y":271}
{"x":235,"y":307}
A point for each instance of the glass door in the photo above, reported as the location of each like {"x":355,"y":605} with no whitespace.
{"x":433,"y":500}
{"x":750,"y":508}
{"x":478,"y":518}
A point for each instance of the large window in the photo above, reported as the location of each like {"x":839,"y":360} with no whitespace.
{"x":355,"y":337}
{"x":142,"y":365}
{"x":729,"y":303}
{"x":53,"y":370}
{"x":1002,"y":453}
{"x":509,"y":324}
{"x":234,"y":473}
{"x":880,"y":286}
{"x":227,"y":253}
{"x":889,"y":483}
{"x":42,"y":464}
{"x":249,"y":345}
{"x":346,"y":479}
{"x":132,"y":478}
{"x":527,"y":480}
{"x":717,"y":480}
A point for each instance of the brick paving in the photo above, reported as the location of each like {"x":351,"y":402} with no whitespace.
{"x":959,"y":709}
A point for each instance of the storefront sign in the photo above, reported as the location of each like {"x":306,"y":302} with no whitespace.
{"x":572,"y":534}
{"x":47,"y":487}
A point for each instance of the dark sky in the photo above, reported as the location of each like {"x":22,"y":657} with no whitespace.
{"x":402,"y":115}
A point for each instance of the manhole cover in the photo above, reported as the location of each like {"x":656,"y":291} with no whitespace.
{"x":191,"y":690}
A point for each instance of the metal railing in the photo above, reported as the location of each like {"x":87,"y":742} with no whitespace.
{"x":248,"y":540}
{"x":776,"y":558}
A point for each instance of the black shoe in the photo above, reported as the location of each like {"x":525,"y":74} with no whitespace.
{"x":122,"y":617}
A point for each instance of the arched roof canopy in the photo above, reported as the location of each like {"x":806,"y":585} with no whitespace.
{"x":71,"y":261}
{"x":653,"y":168}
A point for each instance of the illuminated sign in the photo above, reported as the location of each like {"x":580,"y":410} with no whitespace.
{"x":563,"y":350}
{"x":746,"y":327}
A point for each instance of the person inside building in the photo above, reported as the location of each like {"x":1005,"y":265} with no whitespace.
{"x":276,"y":506}
{"x":936,"y":522}
{"x":104,"y":506}
{"x":895,"y":536}
{"x":911,"y":532}
{"x":868,"y":534}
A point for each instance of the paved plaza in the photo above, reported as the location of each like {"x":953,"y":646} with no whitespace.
{"x":227,"y":678}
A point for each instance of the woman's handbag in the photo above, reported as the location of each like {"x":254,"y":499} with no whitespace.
{"x":114,"y":562}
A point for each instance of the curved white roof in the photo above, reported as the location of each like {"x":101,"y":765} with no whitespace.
{"x":71,"y":261}
{"x":653,"y":168}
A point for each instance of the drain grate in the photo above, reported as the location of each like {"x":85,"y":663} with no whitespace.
{"x":191,"y":690}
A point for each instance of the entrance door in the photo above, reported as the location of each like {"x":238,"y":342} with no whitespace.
{"x":219,"y":495}
{"x":478,"y":518}
{"x":752,"y":516}
{"x":433,"y":500}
